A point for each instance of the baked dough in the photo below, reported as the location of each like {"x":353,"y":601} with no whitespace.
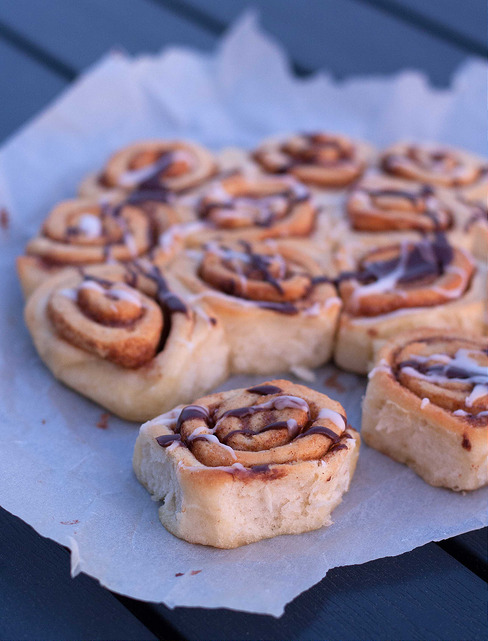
{"x":450,"y":292}
{"x":277,"y":310}
{"x":91,"y":330}
{"x":426,"y":405}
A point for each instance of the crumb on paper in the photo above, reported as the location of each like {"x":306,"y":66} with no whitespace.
{"x":334,"y":382}
{"x":73,"y":522}
{"x":179,"y":574}
{"x":4,"y":218}
{"x":43,"y":421}
{"x":193,"y":572}
{"x":303,"y":373}
{"x":103,"y":421}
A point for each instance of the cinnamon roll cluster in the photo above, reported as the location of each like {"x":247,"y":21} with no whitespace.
{"x":256,"y":243}
{"x":176,"y":267}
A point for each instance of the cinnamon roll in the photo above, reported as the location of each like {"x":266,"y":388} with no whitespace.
{"x":123,"y":337}
{"x":250,"y":207}
{"x":437,"y":165}
{"x":428,"y":283}
{"x":324,"y":160}
{"x":171,"y":165}
{"x":426,"y":405}
{"x":84,"y":232}
{"x":248,"y":464}
{"x":277,"y":308}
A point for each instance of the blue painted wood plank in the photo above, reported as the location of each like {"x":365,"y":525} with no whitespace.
{"x":471,"y":549}
{"x":345,"y":38}
{"x":467,"y":18}
{"x":424,"y":594}
{"x":39,"y":600}
{"x":26,"y":88}
{"x":78,"y":33}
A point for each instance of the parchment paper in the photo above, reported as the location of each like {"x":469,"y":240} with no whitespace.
{"x":73,"y":481}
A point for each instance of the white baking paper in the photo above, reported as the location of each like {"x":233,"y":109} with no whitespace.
{"x":73,"y":481}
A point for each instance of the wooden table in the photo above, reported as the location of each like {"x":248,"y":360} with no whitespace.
{"x":438,"y":591}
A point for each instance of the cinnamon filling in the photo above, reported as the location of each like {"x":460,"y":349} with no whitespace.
{"x":273,"y":427}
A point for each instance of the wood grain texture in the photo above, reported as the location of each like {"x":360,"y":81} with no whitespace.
{"x":39,"y":600}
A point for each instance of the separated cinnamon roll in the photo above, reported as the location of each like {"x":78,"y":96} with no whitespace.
{"x":324,"y":160}
{"x":248,"y":464}
{"x":429,"y":283}
{"x":171,"y":165}
{"x":250,"y":207}
{"x":437,"y":165}
{"x":84,"y":232}
{"x":123,"y":337}
{"x":277,"y":308}
{"x":426,"y":405}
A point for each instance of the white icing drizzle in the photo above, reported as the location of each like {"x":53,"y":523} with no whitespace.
{"x":386,"y":283}
{"x":90,"y":225}
{"x":424,"y":403}
{"x":212,"y":439}
{"x":123,"y":294}
{"x":478,"y":392}
{"x":332,"y":416}
{"x":69,"y":293}
{"x":133,"y":177}
{"x":381,"y":367}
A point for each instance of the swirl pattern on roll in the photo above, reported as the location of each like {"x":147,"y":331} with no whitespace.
{"x":380,"y":203}
{"x":434,"y":164}
{"x":321,"y":159}
{"x":273,"y":423}
{"x":87,"y":232}
{"x":273,"y":277}
{"x":158,"y":164}
{"x":422,"y":274}
{"x":112,"y":317}
{"x":268,"y":207}
{"x":449,"y":371}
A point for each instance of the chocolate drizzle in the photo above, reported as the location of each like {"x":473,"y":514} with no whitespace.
{"x":211,"y":421}
{"x":265,"y":206}
{"x":426,"y":259}
{"x":264,"y":389}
